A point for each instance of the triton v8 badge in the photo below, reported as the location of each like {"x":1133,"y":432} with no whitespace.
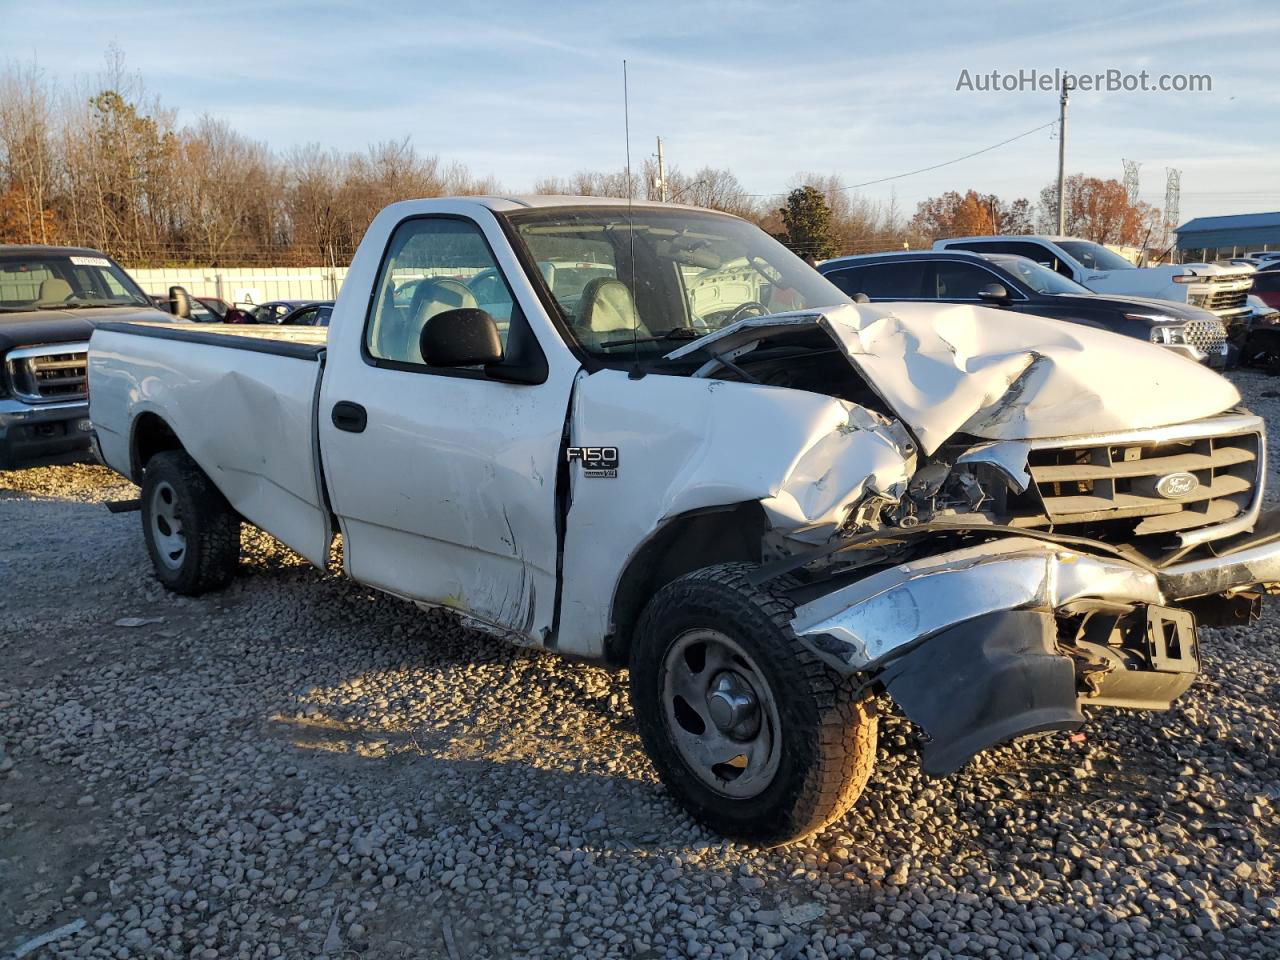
{"x":596,"y":461}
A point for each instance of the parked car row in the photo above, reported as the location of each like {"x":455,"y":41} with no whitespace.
{"x":214,"y":310}
{"x":1016,"y":284}
{"x":1217,"y":314}
{"x":306,"y":313}
{"x":1221,"y":290}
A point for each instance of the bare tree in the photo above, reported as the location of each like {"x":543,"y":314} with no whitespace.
{"x":28,"y":160}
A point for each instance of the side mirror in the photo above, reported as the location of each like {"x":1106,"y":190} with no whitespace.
{"x":994,"y":293}
{"x":180,"y":303}
{"x":464,"y":337}
{"x":861,"y":298}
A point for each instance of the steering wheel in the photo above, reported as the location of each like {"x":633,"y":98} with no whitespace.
{"x":740,"y":311}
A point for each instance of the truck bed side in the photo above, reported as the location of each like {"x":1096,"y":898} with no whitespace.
{"x":258,"y":386}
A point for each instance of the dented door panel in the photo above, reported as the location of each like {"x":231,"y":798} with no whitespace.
{"x":448,"y":496}
{"x":262,"y":455}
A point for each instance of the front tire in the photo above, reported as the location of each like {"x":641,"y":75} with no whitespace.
{"x":192,"y":533}
{"x":748,"y":729}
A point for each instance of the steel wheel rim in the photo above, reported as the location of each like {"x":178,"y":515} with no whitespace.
{"x":721,"y":713}
{"x":166,"y":526}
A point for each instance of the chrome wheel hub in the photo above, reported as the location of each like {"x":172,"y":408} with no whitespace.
{"x":166,"y":526}
{"x":720,"y":713}
{"x":732,"y":705}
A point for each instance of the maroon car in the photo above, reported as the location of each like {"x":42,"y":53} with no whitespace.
{"x":1266,"y":287}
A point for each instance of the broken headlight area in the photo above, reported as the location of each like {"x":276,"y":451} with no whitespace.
{"x":973,"y":482}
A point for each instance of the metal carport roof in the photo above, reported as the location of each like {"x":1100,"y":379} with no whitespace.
{"x":1248,"y":230}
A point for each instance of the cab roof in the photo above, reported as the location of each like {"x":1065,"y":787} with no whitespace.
{"x":42,"y":249}
{"x":544,"y":200}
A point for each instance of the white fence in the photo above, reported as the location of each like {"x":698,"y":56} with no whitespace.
{"x":245,"y":285}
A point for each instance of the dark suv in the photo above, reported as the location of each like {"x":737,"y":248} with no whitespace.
{"x":1024,"y":286}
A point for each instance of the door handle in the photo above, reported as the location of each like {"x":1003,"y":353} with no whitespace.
{"x":350,"y":417}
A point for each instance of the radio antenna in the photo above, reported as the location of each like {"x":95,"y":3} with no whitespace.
{"x":636,"y":372}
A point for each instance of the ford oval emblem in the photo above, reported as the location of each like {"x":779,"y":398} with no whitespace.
{"x":1175,"y":486}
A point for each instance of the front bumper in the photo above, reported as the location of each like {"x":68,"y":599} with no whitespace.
{"x":1213,"y":358}
{"x":991,"y":642}
{"x":34,"y":435}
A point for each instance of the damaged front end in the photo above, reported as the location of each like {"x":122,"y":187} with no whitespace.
{"x":1004,"y":639}
{"x":988,"y":613}
{"x":992,"y":575}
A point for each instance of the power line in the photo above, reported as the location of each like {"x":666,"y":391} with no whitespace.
{"x":936,"y":166}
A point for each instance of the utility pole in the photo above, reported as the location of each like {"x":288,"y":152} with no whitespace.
{"x":1172,"y":195}
{"x":1062,"y":155}
{"x":662,"y":174}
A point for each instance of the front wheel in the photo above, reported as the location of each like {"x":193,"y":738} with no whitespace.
{"x":749,"y":730}
{"x":192,"y":533}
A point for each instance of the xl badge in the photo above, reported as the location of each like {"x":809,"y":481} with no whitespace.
{"x":1175,"y":486}
{"x":596,"y":461}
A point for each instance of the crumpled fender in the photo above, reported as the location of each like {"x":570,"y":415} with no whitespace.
{"x":965,"y":642}
{"x":863,"y":625}
{"x":982,"y":682}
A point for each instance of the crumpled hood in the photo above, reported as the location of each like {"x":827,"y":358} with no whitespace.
{"x":948,"y":369}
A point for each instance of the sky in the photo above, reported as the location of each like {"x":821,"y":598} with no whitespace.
{"x":866,"y":90}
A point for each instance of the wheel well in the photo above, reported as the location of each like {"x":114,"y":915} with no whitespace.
{"x":683,"y":544}
{"x":151,"y":435}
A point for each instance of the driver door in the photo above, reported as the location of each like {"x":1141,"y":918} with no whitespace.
{"x":443,"y":480}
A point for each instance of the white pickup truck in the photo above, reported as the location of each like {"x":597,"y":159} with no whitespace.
{"x":1222,"y":290}
{"x":772,"y":506}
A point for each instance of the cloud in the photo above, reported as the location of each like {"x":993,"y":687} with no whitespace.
{"x":523,"y":90}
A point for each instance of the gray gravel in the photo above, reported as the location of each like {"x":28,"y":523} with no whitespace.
{"x":300,"y":767}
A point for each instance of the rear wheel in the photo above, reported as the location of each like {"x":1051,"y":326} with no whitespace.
{"x":192,"y":533}
{"x":749,"y":730}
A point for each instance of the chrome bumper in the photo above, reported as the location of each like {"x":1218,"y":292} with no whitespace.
{"x":1244,"y":567}
{"x":1217,"y":358}
{"x":35,"y":434}
{"x":861,"y":626}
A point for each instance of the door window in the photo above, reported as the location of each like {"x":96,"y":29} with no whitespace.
{"x":883,"y":281}
{"x":1019,"y":248}
{"x":953,"y":280}
{"x":433,"y":264}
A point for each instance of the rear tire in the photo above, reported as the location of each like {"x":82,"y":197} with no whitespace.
{"x":192,"y":533}
{"x":715,"y":668}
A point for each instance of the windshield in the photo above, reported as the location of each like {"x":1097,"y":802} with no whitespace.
{"x":1094,"y":256}
{"x":62,"y":281}
{"x":629,"y":284}
{"x":1039,"y":278}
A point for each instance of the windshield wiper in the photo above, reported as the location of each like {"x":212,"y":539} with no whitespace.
{"x":687,"y":333}
{"x":81,"y":304}
{"x":675,"y":333}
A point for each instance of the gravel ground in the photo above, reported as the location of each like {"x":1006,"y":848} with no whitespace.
{"x":299,"y":767}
